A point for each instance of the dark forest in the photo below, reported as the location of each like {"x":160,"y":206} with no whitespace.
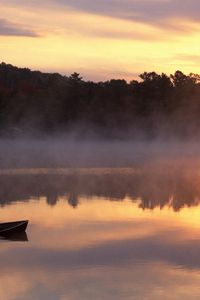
{"x":156,"y":104}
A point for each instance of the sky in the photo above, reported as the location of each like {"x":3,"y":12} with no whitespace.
{"x":101,"y":39}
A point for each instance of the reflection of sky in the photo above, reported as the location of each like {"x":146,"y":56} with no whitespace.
{"x":101,"y":250}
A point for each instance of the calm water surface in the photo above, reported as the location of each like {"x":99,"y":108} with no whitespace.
{"x":102,"y":234}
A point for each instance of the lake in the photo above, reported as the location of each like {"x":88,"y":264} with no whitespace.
{"x":102,"y":233}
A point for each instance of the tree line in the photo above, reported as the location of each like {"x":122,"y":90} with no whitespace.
{"x":32,"y":101}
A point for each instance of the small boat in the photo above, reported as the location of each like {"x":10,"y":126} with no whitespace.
{"x":15,"y":237}
{"x":11,"y":228}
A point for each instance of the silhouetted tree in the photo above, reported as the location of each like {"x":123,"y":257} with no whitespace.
{"x":32,"y":100}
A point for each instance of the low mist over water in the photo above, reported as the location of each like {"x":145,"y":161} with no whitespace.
{"x":65,"y":151}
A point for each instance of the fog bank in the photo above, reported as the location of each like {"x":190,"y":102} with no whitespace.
{"x":68,"y":152}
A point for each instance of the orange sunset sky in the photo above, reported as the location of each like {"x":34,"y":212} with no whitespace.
{"x":101,"y":39}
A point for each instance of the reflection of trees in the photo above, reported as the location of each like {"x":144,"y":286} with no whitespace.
{"x":73,"y":200}
{"x":174,"y":190}
{"x":52,"y":199}
{"x":153,"y":188}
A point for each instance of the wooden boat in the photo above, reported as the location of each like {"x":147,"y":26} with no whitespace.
{"x":11,"y":228}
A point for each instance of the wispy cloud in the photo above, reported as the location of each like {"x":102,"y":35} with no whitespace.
{"x":165,"y":14}
{"x":11,"y":29}
{"x":191,"y":60}
{"x":143,"y":10}
{"x":134,"y":36}
{"x":155,"y":12}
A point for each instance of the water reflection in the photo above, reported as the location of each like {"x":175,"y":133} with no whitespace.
{"x":90,"y":239}
{"x":155,"y":187}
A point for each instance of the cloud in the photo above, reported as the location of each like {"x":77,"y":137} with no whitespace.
{"x":120,"y":34}
{"x":172,"y":15}
{"x":11,"y":29}
{"x":155,"y":12}
{"x":195,"y":59}
{"x":139,"y":10}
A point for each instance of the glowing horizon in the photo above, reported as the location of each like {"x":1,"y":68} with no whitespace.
{"x":101,"y":40}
